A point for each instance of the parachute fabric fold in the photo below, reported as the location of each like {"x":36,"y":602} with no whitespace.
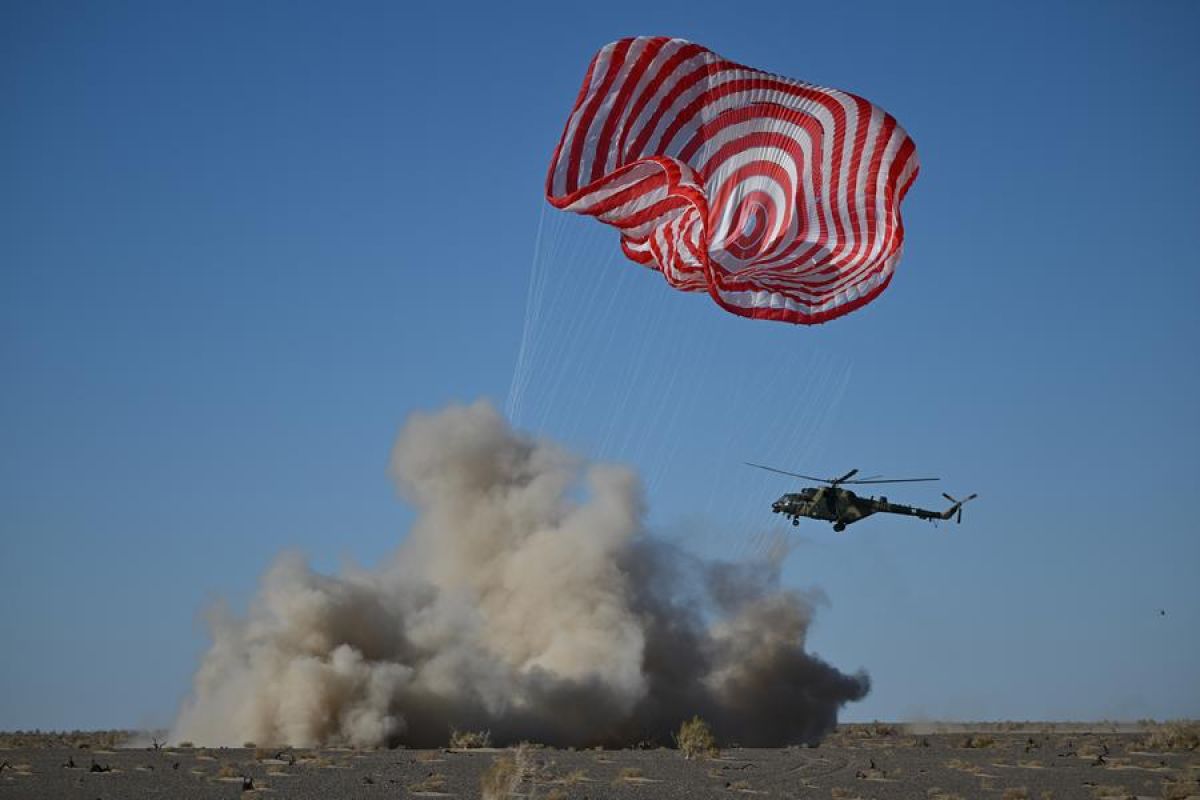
{"x":779,"y":198}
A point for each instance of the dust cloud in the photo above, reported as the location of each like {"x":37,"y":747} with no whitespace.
{"x":529,"y":600}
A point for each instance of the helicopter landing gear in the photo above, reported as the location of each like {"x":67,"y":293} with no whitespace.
{"x":839,"y":527}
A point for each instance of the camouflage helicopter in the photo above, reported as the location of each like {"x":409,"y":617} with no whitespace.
{"x":843,"y":507}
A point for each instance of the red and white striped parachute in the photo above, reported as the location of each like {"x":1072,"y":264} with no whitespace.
{"x":779,"y":198}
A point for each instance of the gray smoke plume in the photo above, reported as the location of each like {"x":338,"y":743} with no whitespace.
{"x":517,"y":604}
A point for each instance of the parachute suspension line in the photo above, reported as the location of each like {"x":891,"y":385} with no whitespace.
{"x":552,"y":264}
{"x":571,"y":331}
{"x":693,"y":399}
{"x":656,"y":385}
{"x":824,"y":382}
{"x":783,"y":436}
{"x":820,"y":397}
{"x":731,"y":437}
{"x":605,"y":314}
{"x":668,"y":453}
{"x":597,"y":316}
{"x":566,"y":295}
{"x":546,"y":259}
{"x":543,"y":268}
{"x":821,"y":430}
{"x":521,"y":371}
{"x":633,"y":379}
{"x":611,"y":354}
{"x":616,"y":438}
{"x":666,"y":396}
{"x":600,"y":350}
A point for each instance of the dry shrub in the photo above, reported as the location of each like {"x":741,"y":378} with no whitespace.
{"x":470,"y":740}
{"x":629,"y":774}
{"x":228,"y":771}
{"x":573,"y":777}
{"x":940,"y":794}
{"x":1178,"y":735}
{"x":1182,"y":785}
{"x":695,"y":739}
{"x":1015,"y":793}
{"x":433,"y":782}
{"x":872,"y":730}
{"x":1110,"y":792}
{"x":501,"y":780}
{"x":504,"y":777}
{"x":978,"y":742}
{"x":1173,"y":790}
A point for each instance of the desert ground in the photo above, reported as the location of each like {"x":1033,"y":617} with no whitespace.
{"x":933,"y":762}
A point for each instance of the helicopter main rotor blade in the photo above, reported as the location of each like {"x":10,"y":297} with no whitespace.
{"x":785,"y":472}
{"x":896,"y":480}
{"x":845,"y":478}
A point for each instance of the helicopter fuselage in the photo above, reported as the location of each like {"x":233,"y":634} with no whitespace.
{"x":842,"y":507}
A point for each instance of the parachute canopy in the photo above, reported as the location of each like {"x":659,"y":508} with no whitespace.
{"x":779,"y":198}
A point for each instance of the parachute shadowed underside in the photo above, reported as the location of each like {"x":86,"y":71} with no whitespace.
{"x":779,"y":198}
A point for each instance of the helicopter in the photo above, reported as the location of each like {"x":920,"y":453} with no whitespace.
{"x":843,"y":507}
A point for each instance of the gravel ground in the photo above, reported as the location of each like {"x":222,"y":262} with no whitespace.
{"x":857,"y":762}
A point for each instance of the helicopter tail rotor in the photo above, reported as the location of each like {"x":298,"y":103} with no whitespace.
{"x":956,"y":509}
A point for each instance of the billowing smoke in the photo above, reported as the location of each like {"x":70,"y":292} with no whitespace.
{"x":522,"y":603}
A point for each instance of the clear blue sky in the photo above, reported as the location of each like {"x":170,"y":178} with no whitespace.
{"x":240,"y":242}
